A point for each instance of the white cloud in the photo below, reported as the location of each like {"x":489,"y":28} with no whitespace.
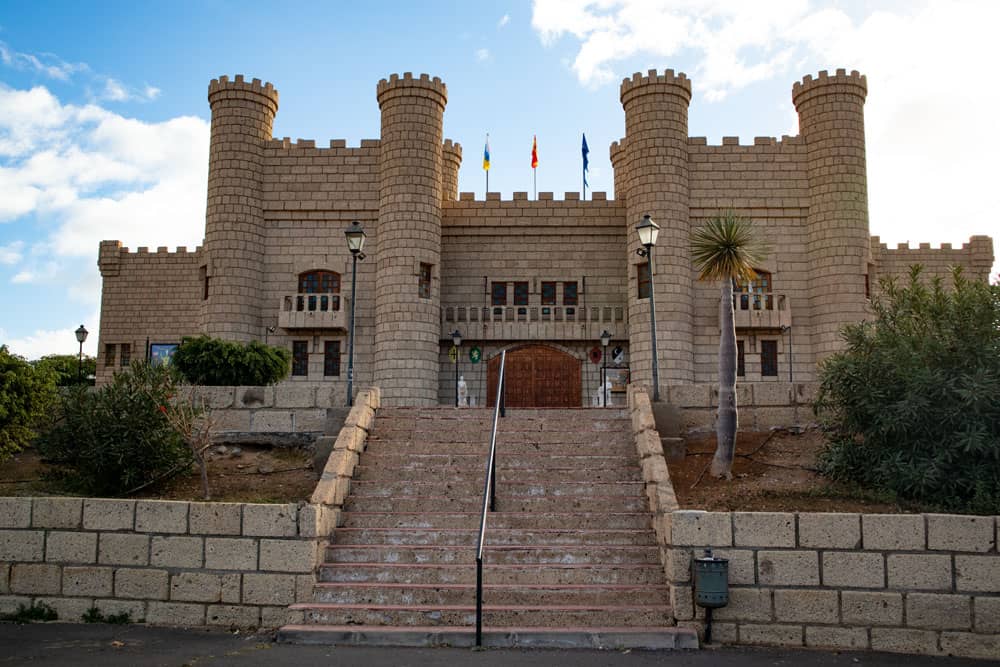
{"x":53,"y":341}
{"x":504,"y":20}
{"x":151,"y":92}
{"x":11,"y":253}
{"x":482,"y":55}
{"x":44,"y":63}
{"x":114,"y":91}
{"x":23,"y":277}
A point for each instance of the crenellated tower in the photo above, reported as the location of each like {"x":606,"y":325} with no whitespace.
{"x":832,"y":122}
{"x":411,"y":186}
{"x":242,"y":120}
{"x":451,"y":160}
{"x":653,"y":159}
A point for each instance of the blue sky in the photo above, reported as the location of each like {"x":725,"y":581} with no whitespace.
{"x":104,"y":121}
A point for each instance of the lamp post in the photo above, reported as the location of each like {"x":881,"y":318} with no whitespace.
{"x":788,"y":328}
{"x":456,"y":338}
{"x":355,"y":243}
{"x":648,"y":231}
{"x":81,"y":335}
{"x":605,"y":339}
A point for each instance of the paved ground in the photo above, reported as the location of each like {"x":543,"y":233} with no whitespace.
{"x":59,"y":644}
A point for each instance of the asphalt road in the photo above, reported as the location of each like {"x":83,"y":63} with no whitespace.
{"x":96,"y":645}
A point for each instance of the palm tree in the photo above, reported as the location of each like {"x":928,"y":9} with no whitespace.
{"x":726,"y":249}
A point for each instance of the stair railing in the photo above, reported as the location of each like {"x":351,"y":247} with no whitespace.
{"x":489,"y":494}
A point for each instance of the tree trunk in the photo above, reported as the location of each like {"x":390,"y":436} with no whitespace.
{"x":726,"y":423}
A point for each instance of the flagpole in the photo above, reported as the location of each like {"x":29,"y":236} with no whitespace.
{"x":534,"y":174}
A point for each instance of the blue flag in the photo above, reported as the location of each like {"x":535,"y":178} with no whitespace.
{"x":586,"y":162}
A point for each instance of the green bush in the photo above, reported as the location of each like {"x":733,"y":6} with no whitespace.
{"x":216,"y":362}
{"x":913,"y":404}
{"x":117,"y":439}
{"x":68,"y":368}
{"x":26,"y":395}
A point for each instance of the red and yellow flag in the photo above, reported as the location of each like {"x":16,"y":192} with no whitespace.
{"x":534,"y":151}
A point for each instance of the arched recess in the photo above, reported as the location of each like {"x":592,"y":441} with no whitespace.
{"x":321,"y":290}
{"x":538,"y":376}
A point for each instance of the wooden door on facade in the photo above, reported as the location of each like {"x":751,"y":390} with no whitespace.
{"x":537,"y":377}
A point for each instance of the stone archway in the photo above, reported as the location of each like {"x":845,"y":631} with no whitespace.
{"x":538,"y":376}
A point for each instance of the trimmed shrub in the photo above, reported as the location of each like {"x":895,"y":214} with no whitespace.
{"x":216,"y":362}
{"x":26,"y":395}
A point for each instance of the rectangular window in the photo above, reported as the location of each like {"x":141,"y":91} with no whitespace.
{"x":548,"y":294}
{"x":642,"y":273}
{"x":741,"y":360}
{"x":109,"y":355}
{"x":203,"y":271}
{"x":769,"y":358}
{"x":499,"y":294}
{"x":300,"y":357}
{"x":331,"y":358}
{"x":521,"y":294}
{"x":424,"y":290}
{"x":569,"y":293}
{"x":126,"y":354}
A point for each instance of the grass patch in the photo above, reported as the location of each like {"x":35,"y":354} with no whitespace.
{"x":38,"y":611}
{"x":94,"y":615}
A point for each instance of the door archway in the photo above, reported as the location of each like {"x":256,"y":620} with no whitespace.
{"x":538,"y":376}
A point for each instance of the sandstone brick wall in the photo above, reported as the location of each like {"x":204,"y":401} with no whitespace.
{"x":291,"y":407}
{"x":762,"y":405}
{"x":976,"y":258}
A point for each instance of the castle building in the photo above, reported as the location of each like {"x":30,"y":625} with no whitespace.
{"x":542,"y":279}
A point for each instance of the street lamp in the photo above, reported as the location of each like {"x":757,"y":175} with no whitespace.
{"x":783,"y":329}
{"x":81,"y":335}
{"x":355,"y":243}
{"x":456,"y":338}
{"x":605,"y":339}
{"x":648,"y":231}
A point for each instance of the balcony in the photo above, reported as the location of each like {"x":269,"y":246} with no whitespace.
{"x":534,"y":322}
{"x":314,"y":311}
{"x":762,"y":310}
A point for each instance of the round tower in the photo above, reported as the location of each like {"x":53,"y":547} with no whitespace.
{"x":655,"y":182}
{"x":242,"y":120}
{"x":451,"y":160}
{"x":617,"y":154}
{"x":832,"y":123}
{"x":407,"y":310}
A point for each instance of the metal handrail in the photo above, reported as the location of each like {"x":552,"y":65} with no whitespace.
{"x":489,"y":496}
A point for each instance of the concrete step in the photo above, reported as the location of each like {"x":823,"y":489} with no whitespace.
{"x":403,"y":460}
{"x":513,"y":414}
{"x":499,"y":554}
{"x":494,"y":536}
{"x":423,"y":471}
{"x":465,"y":573}
{"x":505,"y":503}
{"x":465,"y":594}
{"x":596,"y":444}
{"x":497,"y":520}
{"x":562,"y":637}
{"x":521,"y":615}
{"x":470,"y":487}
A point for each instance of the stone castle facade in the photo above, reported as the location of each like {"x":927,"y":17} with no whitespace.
{"x":541,"y":278}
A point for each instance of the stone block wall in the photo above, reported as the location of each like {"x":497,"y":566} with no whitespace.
{"x":289,"y":407}
{"x":762,"y":405}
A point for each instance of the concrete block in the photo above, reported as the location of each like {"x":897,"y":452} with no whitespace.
{"x":22,"y":545}
{"x":141,"y":583}
{"x":196,"y":587}
{"x":691,"y":395}
{"x":802,"y":606}
{"x":175,"y":613}
{"x":231,"y":588}
{"x":953,"y":532}
{"x":746,"y":604}
{"x":57,"y":512}
{"x":123,"y":549}
{"x":233,"y":616}
{"x":939,"y":612}
{"x":294,"y":395}
{"x":10,"y":603}
{"x":904,"y":640}
{"x":804,"y":393}
{"x":771,"y":635}
{"x":853,"y":569}
{"x":858,"y":608}
{"x":15,"y":512}
{"x":648,"y":444}
{"x":855,"y":639}
{"x":217,"y":398}
{"x":829,"y":531}
{"x":69,"y":610}
{"x":893,"y":532}
{"x":226,"y":553}
{"x":254,"y":397}
{"x":287,"y":555}
{"x":136,"y":609}
{"x":788,"y":568}
{"x":232,"y":420}
{"x":309,"y":421}
{"x":4,"y":578}
{"x":161,"y":516}
{"x":654,"y":469}
{"x":968,"y":645}
{"x":305,"y":584}
{"x":986,"y":612}
{"x":317,"y":520}
{"x":71,"y":547}
{"x":698,"y":528}
{"x":180,"y":551}
{"x":270,"y":520}
{"x":97,"y":582}
{"x":764,"y":529}
{"x":682,"y":602}
{"x":271,"y":589}
{"x":742,"y":565}
{"x":772,"y":394}
{"x":977,"y":573}
{"x":216,"y":518}
{"x":35,"y":579}
{"x":919,"y":572}
{"x":269,"y":421}
{"x":106,"y":514}
{"x":722,"y":633}
{"x":275,"y":617}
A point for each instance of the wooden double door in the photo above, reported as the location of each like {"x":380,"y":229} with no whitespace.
{"x":538,"y":376}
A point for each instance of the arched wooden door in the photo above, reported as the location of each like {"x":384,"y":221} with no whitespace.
{"x":537,"y":377}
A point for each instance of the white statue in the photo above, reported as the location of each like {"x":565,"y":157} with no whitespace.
{"x":463,"y":391}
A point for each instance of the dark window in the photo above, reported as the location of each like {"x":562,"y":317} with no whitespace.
{"x":642,"y":273}
{"x":521,"y":294}
{"x":318,"y":282}
{"x":769,"y":358}
{"x":300,"y":357}
{"x":548,"y":294}
{"x":203,"y":271}
{"x":331,"y":358}
{"x":741,"y":360}
{"x":569,"y":293}
{"x":756,"y":293}
{"x":109,"y":354}
{"x":868,"y":289}
{"x":126,"y":354}
{"x":424,"y":288}
{"x":499,"y":294}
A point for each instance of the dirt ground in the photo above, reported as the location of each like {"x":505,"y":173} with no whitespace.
{"x":773,"y":471}
{"x":245,"y":474}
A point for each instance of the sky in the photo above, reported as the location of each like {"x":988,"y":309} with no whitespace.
{"x":104,"y":122}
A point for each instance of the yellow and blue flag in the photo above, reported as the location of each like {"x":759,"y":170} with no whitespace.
{"x":486,"y":154}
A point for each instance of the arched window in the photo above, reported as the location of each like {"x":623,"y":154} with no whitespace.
{"x":757,"y":293}
{"x":321,"y":290}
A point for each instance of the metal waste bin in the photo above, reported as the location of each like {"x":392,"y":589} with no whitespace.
{"x":711,"y":581}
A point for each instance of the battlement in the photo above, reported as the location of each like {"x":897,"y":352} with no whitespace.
{"x":976,"y":245}
{"x":407,"y":85}
{"x":222,"y":88}
{"x":809,"y":87}
{"x":617,"y":150}
{"x":453,"y":148}
{"x":653,"y":82}
{"x":785,"y":140}
{"x":544,"y":198}
{"x":287,"y":144}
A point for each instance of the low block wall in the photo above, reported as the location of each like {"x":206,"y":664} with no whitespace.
{"x":762,"y":405}
{"x":289,"y":407}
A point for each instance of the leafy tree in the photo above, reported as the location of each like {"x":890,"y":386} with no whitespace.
{"x":26,"y":394}
{"x":67,"y":368}
{"x":216,"y":362}
{"x":913,"y":403}
{"x":726,"y":249}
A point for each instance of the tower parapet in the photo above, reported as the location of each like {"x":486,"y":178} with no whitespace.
{"x":832,"y":123}
{"x":451,"y":160}
{"x":242,"y":122}
{"x":411,"y":183}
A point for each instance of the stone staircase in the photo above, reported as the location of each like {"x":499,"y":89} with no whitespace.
{"x":570,"y":556}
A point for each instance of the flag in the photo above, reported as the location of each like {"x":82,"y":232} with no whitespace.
{"x":486,"y":154}
{"x":534,"y":152}
{"x":586,"y":162}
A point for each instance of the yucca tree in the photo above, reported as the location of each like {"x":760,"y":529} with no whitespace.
{"x":726,"y":249}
